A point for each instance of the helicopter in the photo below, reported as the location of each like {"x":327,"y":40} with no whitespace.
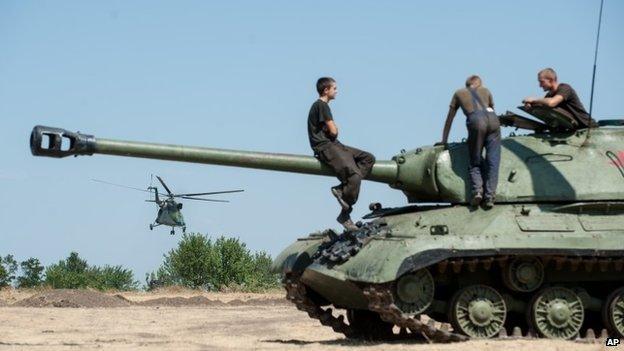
{"x":169,"y":210}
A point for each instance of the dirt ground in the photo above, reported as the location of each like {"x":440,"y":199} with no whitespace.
{"x":180,"y":319}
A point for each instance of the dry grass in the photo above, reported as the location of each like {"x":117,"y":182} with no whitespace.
{"x":185,"y":319}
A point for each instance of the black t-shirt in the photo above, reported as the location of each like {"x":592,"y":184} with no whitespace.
{"x":319,"y":114}
{"x":571,"y":103}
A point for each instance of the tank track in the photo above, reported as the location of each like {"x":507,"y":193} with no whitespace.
{"x":297,"y":294}
{"x":381,"y":300}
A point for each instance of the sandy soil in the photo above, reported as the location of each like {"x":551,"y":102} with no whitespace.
{"x":188,"y":320}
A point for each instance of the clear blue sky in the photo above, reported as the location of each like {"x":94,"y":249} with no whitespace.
{"x":241,"y":74}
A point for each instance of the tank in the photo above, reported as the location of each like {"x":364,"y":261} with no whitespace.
{"x":546,"y":261}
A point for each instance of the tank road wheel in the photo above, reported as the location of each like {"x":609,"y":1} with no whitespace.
{"x":369,"y":325}
{"x":557,"y":313}
{"x":524,"y":274}
{"x":478,"y":311}
{"x":613,"y":313}
{"x":413,"y":293}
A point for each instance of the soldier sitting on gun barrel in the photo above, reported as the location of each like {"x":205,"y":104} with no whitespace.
{"x":351,"y":165}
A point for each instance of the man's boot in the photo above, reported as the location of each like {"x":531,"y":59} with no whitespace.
{"x":476,"y":199}
{"x":345,"y":219}
{"x":489,"y":202}
{"x":337,"y":192}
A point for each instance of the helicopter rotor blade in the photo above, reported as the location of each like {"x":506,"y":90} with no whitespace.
{"x":210,"y":193}
{"x":200,"y":199}
{"x":164,"y":185}
{"x":121,"y":186}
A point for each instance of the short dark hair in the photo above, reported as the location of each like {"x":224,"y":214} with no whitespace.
{"x":324,"y":83}
{"x":473,"y":80}
{"x":548,"y":73}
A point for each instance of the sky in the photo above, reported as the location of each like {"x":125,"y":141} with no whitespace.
{"x":241,"y":75}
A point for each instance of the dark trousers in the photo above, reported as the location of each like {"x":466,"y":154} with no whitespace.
{"x":484,"y":133}
{"x":351,"y":165}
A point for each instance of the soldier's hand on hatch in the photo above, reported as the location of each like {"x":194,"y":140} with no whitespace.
{"x":528,"y":101}
{"x":441,"y":143}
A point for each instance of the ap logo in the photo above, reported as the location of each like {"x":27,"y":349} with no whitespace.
{"x":612,"y":342}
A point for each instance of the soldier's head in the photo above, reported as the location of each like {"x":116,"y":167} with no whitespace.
{"x":326,"y":86}
{"x":547,"y":79}
{"x":473,"y":82}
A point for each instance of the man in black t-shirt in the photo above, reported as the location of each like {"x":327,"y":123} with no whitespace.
{"x":351,"y":165}
{"x":560,"y":95}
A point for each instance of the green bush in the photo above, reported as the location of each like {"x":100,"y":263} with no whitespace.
{"x":8,"y":267}
{"x":74,"y":273}
{"x":262,"y":276}
{"x":198,"y":262}
{"x":31,"y":274}
{"x":70,"y":273}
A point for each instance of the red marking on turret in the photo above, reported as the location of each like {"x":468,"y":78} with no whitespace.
{"x":620,"y":160}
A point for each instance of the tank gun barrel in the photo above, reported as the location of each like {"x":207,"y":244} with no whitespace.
{"x":57,"y":142}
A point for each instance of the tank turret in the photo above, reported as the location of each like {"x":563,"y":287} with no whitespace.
{"x":560,"y":166}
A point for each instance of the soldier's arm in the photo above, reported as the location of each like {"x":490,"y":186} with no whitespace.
{"x":449,"y":122}
{"x":550,"y":102}
{"x":332,"y":128}
{"x":453,"y":107}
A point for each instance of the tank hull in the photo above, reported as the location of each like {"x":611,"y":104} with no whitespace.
{"x":508,"y":229}
{"x":575,"y":246}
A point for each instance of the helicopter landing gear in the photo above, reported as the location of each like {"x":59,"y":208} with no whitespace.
{"x":172,"y":231}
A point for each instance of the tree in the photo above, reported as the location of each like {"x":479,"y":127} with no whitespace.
{"x":67,"y":274}
{"x":8,"y":267}
{"x":192,"y":264}
{"x":74,"y":272}
{"x":76,"y":264}
{"x":112,"y":277}
{"x":198,"y":262}
{"x":31,"y":274}
{"x":263,"y":277}
{"x":235,"y":262}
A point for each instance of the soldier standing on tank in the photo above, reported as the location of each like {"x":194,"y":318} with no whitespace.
{"x":560,"y":95}
{"x":351,"y":165}
{"x":483,"y":126}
